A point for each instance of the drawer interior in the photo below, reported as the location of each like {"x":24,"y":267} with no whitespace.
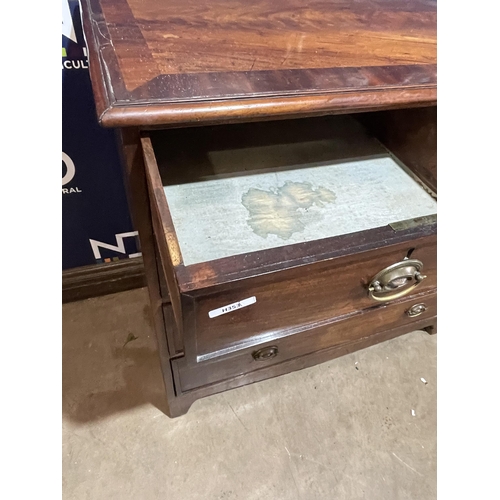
{"x":238,"y":189}
{"x":271,"y":230}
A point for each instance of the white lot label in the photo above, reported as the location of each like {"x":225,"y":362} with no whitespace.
{"x":232,"y":307}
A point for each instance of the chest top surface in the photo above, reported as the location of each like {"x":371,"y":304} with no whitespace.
{"x":156,"y":62}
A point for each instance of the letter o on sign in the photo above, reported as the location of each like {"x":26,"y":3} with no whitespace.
{"x":70,"y":169}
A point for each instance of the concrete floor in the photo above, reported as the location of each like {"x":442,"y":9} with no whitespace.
{"x":340,"y":430}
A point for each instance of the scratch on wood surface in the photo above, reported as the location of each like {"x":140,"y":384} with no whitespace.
{"x":301,"y":42}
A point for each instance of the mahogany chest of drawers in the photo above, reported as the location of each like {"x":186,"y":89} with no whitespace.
{"x":281,"y":166}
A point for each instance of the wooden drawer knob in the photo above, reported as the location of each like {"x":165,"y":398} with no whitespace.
{"x":265,"y":353}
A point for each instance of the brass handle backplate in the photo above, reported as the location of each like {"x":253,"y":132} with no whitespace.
{"x":416,"y":310}
{"x":396,"y":280}
{"x":265,"y":353}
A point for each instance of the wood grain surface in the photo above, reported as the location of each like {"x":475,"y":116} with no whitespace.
{"x":339,"y":331}
{"x":158,"y":63}
{"x":184,"y":400}
{"x":298,"y":299}
{"x":102,"y":279}
{"x":411,"y":135}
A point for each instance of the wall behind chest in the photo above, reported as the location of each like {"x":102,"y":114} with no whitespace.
{"x":96,"y":225}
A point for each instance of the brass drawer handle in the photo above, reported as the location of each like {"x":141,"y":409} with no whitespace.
{"x":396,"y":280}
{"x":265,"y":353}
{"x":416,"y":310}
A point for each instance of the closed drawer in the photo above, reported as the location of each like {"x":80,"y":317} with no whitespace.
{"x":271,"y":234}
{"x":286,"y":302}
{"x":343,"y":330}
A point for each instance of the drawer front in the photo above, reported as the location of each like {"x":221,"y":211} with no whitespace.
{"x":287,"y":302}
{"x":224,"y":306}
{"x":338,"y":332}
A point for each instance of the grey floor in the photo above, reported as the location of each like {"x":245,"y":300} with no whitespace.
{"x":359,"y":427}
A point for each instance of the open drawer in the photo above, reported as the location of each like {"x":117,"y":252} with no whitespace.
{"x":269,"y":231}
